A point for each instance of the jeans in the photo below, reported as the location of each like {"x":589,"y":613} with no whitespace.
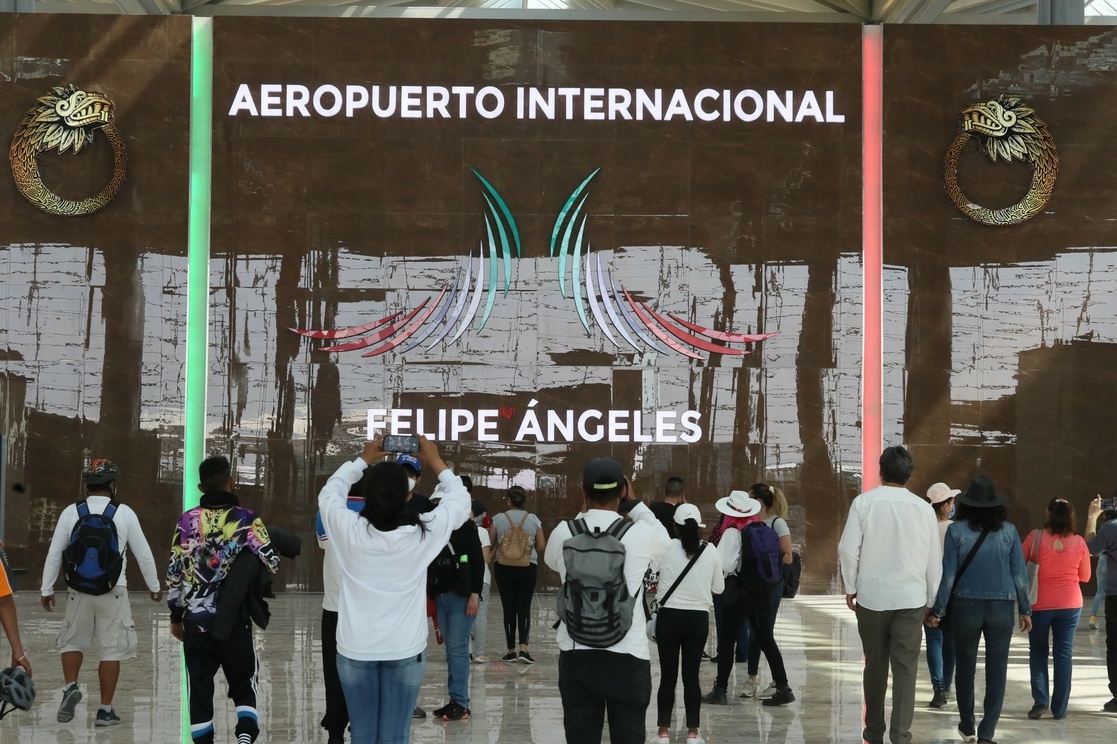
{"x":517,"y":586}
{"x":594,"y":681}
{"x":974,"y":618}
{"x":1060,"y":625}
{"x":1099,"y":595}
{"x":680,"y":632}
{"x":337,"y":717}
{"x":381,"y":696}
{"x":889,"y":639}
{"x":1111,"y":642}
{"x":940,"y":658}
{"x":455,"y":626}
{"x":752,"y":642}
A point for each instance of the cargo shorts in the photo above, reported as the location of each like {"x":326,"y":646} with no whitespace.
{"x":108,"y":617}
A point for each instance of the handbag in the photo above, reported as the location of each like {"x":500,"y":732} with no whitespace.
{"x":792,"y":574}
{"x":662,"y":602}
{"x":945,"y":622}
{"x":1032,"y":564}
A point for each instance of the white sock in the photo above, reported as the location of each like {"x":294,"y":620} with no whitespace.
{"x":107,"y":708}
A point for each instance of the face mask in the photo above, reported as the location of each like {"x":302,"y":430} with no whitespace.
{"x":411,"y":483}
{"x":952,"y":510}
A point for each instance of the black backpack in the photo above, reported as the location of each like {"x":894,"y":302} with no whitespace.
{"x":92,"y":561}
{"x":594,"y":602}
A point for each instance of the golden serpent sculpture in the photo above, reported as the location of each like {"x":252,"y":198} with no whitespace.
{"x":1008,"y":129}
{"x":65,"y":119}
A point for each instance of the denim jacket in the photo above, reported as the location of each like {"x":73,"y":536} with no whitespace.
{"x":996,"y":571}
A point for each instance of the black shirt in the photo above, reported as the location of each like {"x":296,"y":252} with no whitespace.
{"x":418,"y":504}
{"x":665,"y":513}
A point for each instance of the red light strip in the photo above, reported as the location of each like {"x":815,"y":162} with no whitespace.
{"x":872,"y":357}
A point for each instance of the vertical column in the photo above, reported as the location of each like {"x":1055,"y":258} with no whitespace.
{"x":197,"y":282}
{"x":873,"y":253}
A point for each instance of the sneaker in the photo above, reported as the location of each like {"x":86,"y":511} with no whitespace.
{"x":1110,"y":707}
{"x":767,"y":692}
{"x":660,"y":739}
{"x":71,"y":696}
{"x":749,"y":689}
{"x":525,"y":658}
{"x":966,"y":737}
{"x":694,"y":739}
{"x":418,"y":713}
{"x":1093,"y":622}
{"x":510,"y":657}
{"x":1037,"y":711}
{"x":439,"y":712}
{"x":455,"y":711}
{"x":716,"y":696}
{"x":107,"y":718}
{"x":783,"y":696}
{"x":480,"y":659}
{"x":938,"y":700}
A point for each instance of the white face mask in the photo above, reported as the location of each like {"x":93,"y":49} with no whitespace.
{"x":411,"y":483}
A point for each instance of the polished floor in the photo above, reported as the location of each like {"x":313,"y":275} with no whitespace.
{"x":519,"y":704}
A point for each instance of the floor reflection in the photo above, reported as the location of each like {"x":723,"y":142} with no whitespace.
{"x":518,"y":704}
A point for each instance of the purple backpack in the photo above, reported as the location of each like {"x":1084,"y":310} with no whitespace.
{"x":760,"y":558}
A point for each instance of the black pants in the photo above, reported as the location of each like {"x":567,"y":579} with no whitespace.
{"x":754,"y":608}
{"x":237,"y":658}
{"x":337,"y":715}
{"x":592,"y":682}
{"x":1111,"y":641}
{"x":516,"y":585}
{"x":680,"y":631}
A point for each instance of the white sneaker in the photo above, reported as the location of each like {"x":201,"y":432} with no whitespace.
{"x":767,"y":692}
{"x":694,"y":739}
{"x":748,"y":690}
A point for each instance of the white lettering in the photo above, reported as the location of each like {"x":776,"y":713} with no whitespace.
{"x":689,"y":422}
{"x":490,"y":92}
{"x":618,"y":426}
{"x":388,"y":110}
{"x":706,"y":94}
{"x":593,"y":104}
{"x":400,"y":423}
{"x":270,"y":100}
{"x":356,"y":97}
{"x":463,"y":92}
{"x":619,"y":101}
{"x":320,"y":93}
{"x":784,"y":106}
{"x":297,"y":98}
{"x":530,"y":427}
{"x":419,"y":421}
{"x":409,"y":102}
{"x":664,"y":425}
{"x":739,"y":110}
{"x":461,"y":421}
{"x":375,"y":421}
{"x":242,"y":101}
{"x":654,"y":106}
{"x":569,"y":94}
{"x":536,"y":102}
{"x":638,"y":434}
{"x":594,"y":435}
{"x":809,"y":107}
{"x":437,"y":98}
{"x":557,"y":425}
{"x":830,"y":115}
{"x":486,"y":425}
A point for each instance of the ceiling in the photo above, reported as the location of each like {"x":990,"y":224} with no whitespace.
{"x":1027,"y":12}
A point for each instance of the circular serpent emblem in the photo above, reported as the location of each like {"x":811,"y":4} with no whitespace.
{"x":1005,"y":129}
{"x":65,"y":119}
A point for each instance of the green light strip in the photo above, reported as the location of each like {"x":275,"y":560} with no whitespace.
{"x":197,"y":278}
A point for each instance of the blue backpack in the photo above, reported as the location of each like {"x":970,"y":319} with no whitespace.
{"x":760,"y":558}
{"x":92,"y":560}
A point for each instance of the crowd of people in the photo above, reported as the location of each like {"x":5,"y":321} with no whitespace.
{"x":946,"y":568}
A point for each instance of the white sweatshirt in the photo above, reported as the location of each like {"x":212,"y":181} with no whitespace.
{"x":383,"y":601}
{"x":128,"y":532}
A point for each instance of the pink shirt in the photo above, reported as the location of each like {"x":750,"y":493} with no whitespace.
{"x":1060,"y":571}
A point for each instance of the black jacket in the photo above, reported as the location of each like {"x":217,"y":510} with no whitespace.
{"x":247,"y":586}
{"x":466,"y":541}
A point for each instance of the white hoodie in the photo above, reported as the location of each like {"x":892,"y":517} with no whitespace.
{"x":383,"y":600}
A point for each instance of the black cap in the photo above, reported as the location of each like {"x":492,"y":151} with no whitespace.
{"x":478,"y":508}
{"x":602,"y":474}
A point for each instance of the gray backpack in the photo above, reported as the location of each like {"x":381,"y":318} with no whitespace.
{"x":594,"y":603}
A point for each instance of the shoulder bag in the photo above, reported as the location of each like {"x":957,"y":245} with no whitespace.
{"x":945,"y":621}
{"x":662,"y":602}
{"x":1032,"y":564}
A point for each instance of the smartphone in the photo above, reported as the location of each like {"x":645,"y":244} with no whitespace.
{"x":1109,"y":504}
{"x":400,"y":443}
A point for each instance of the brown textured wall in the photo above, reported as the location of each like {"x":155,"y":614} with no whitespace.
{"x":331,"y":222}
{"x":93,"y":337}
{"x":1000,"y":340}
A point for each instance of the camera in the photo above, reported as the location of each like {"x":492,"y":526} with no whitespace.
{"x":399,"y":443}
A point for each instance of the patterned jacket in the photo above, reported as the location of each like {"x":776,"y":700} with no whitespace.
{"x":207,"y":540}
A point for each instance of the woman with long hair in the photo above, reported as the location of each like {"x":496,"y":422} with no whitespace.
{"x":772,"y":503}
{"x":1064,"y":562}
{"x":383,"y":553}
{"x":940,"y":644}
{"x":518,"y":539}
{"x":684,"y":618}
{"x":982,"y":601}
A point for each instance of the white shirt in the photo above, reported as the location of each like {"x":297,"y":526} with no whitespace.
{"x":382,"y":604}
{"x":729,"y":551}
{"x":486,"y":542}
{"x":644,"y":543}
{"x":697,"y":588}
{"x":890,"y":551}
{"x":128,"y":533}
